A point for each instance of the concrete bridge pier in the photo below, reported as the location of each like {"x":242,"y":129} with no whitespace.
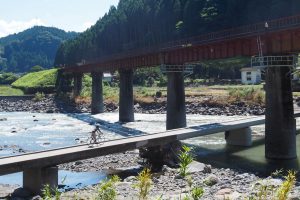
{"x":97,"y":105}
{"x":126,"y":110}
{"x":239,"y":137}
{"x":63,"y":82}
{"x":176,"y":111}
{"x":280,"y":127}
{"x":77,"y":84}
{"x":35,"y":179}
{"x":176,"y":118}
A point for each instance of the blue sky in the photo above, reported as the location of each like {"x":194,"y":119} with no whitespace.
{"x":70,"y":15}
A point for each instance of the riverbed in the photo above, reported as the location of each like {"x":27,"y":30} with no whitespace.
{"x":22,"y":132}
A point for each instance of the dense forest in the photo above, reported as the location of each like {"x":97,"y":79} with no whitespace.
{"x":141,"y":23}
{"x":35,"y":46}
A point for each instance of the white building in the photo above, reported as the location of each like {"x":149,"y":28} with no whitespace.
{"x":107,"y":77}
{"x":251,"y":76}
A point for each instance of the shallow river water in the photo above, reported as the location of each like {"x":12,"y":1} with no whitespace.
{"x":34,"y":132}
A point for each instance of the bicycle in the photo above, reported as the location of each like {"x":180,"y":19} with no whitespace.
{"x":96,"y":137}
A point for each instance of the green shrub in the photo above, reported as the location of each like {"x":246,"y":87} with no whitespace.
{"x":251,"y":94}
{"x":144,"y":184}
{"x":286,"y":187}
{"x":185,"y":158}
{"x":36,"y":68}
{"x":39,"y":96}
{"x":162,"y":82}
{"x":266,"y":191}
{"x":197,"y":193}
{"x":7,"y":78}
{"x":107,"y":189}
{"x":48,"y":193}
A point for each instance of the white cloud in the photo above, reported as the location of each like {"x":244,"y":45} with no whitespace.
{"x":10,"y":27}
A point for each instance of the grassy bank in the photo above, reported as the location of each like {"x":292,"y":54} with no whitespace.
{"x":142,"y":94}
{"x":42,"y":81}
{"x":6,"y":90}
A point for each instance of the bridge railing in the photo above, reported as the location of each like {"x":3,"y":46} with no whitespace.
{"x":233,"y":33}
{"x":272,"y":25}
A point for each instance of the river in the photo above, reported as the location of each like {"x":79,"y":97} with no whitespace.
{"x":22,"y":131}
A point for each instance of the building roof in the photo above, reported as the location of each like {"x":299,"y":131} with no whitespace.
{"x":249,"y":69}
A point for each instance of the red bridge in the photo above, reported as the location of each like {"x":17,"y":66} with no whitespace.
{"x":281,"y":36}
{"x":278,"y":40}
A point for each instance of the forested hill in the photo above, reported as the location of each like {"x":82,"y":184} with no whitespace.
{"x":141,"y":23}
{"x":35,"y":46}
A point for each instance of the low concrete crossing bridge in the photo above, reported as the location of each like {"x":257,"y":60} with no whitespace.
{"x":40,"y":168}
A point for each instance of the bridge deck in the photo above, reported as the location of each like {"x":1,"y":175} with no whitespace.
{"x":55,"y":157}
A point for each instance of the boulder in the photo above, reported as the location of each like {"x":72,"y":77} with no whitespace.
{"x":211,"y":180}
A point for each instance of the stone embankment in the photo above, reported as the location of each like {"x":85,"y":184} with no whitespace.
{"x":50,"y":104}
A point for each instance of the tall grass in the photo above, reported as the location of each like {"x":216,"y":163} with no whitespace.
{"x":144,"y":184}
{"x":107,"y":189}
{"x":249,"y":94}
{"x":271,"y":192}
{"x":284,"y":190}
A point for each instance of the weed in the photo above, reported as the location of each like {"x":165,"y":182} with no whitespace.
{"x":266,"y":192}
{"x":252,"y":94}
{"x":197,"y":193}
{"x":287,"y":186}
{"x":107,"y":189}
{"x":144,"y":184}
{"x":263,"y":192}
{"x":185,"y":158}
{"x":47,"y":192}
{"x":186,"y":198}
{"x":277,"y":173}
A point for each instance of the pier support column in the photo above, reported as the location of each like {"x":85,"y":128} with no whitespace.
{"x":126,"y":110}
{"x":239,"y":137}
{"x":280,"y":122}
{"x":176,"y":118}
{"x":176,"y":112}
{"x":97,"y":93}
{"x":35,"y":179}
{"x":63,"y":82}
{"x":77,"y":84}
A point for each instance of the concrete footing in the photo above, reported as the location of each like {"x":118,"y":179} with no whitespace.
{"x":77,"y":84}
{"x":97,"y":105}
{"x":126,"y":110}
{"x":35,"y":179}
{"x":176,"y":111}
{"x":239,"y":137}
{"x":280,"y":122}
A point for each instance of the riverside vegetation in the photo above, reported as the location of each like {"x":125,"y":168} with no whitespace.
{"x":150,"y":96}
{"x":109,"y":189}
